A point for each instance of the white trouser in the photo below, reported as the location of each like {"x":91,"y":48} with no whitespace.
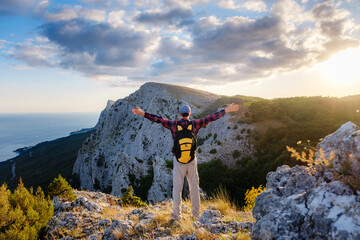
{"x":179,"y":172}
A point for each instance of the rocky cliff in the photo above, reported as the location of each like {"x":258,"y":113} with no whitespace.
{"x":130,"y":150}
{"x":319,"y":202}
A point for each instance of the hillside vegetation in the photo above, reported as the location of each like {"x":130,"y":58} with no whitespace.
{"x":39,"y":165}
{"x":278,"y":123}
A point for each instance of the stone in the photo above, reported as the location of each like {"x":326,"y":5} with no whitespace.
{"x":120,"y":225}
{"x":311,"y":203}
{"x":210,"y":216}
{"x":344,"y":144}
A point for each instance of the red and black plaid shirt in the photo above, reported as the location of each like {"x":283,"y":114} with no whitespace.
{"x":197,"y":123}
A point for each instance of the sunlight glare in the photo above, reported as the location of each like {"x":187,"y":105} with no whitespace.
{"x":343,"y":68}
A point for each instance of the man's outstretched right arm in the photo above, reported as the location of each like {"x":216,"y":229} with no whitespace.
{"x":154,"y":118}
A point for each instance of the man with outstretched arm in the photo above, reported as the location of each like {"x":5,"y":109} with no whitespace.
{"x":185,"y":168}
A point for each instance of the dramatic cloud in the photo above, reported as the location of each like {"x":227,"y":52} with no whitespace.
{"x":101,"y":49}
{"x":242,"y":48}
{"x":170,"y":40}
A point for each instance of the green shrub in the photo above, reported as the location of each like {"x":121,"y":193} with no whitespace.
{"x":60,"y":187}
{"x":236,"y":154}
{"x":139,"y":160}
{"x":129,"y":200}
{"x":169,"y":163}
{"x":23,"y":215}
{"x":213,"y":151}
{"x":199,"y":150}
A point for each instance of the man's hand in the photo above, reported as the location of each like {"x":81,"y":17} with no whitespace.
{"x":138,"y":111}
{"x":232,"y":108}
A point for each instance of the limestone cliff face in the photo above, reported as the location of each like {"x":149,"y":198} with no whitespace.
{"x":125,"y":148}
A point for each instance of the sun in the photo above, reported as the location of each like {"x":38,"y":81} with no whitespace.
{"x":344,"y":67}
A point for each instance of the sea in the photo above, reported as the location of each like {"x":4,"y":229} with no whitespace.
{"x":28,"y":129}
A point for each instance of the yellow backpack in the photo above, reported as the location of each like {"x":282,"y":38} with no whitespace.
{"x":185,"y":144}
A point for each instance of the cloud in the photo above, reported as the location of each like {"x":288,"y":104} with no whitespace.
{"x":241,"y":48}
{"x":69,"y":12}
{"x":107,"y":45}
{"x":14,"y":7}
{"x":92,"y":14}
{"x":66,"y":13}
{"x":174,"y":41}
{"x":106,"y":4}
{"x":116,"y":18}
{"x":34,"y":55}
{"x":173,"y":16}
{"x":3,"y":43}
{"x":251,"y":5}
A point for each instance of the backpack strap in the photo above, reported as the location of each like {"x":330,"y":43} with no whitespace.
{"x":179,"y":127}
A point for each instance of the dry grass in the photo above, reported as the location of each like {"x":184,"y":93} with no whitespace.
{"x":114,"y":211}
{"x":163,"y":220}
{"x":221,"y":202}
{"x":202,"y":234}
{"x":110,"y":212}
{"x":118,"y":234}
{"x":75,"y":232}
{"x":185,"y":225}
{"x":135,"y":219}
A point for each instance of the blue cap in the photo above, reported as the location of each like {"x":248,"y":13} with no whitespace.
{"x":185,"y":109}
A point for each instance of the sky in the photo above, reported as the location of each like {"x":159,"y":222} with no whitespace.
{"x":72,"y":56}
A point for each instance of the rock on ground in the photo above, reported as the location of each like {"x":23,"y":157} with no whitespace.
{"x":95,"y":215}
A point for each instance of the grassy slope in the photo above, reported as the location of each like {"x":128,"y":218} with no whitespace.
{"x":47,"y":160}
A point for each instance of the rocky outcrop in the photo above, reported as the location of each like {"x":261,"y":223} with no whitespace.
{"x":313,"y":202}
{"x":95,"y":215}
{"x":125,"y":149}
{"x":342,"y":145}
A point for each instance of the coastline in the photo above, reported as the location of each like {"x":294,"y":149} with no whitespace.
{"x":38,"y":165}
{"x":27,"y":149}
{"x":21,"y":131}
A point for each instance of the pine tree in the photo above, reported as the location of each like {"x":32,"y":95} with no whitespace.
{"x":129,"y":200}
{"x":22,"y":214}
{"x":60,"y":187}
